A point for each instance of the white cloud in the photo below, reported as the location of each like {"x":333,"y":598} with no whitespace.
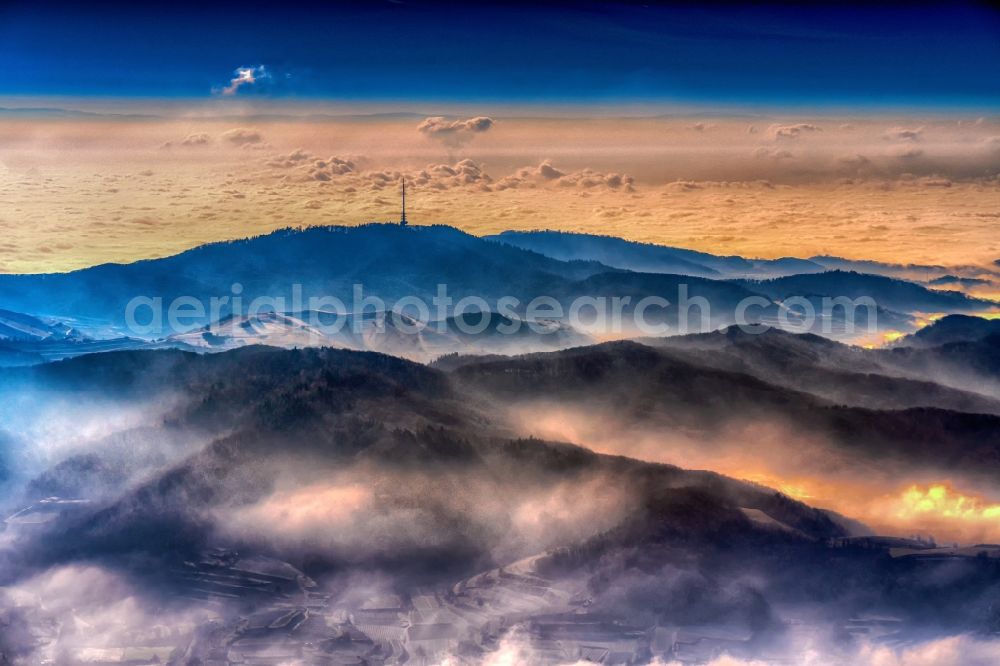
{"x":245,"y":77}
{"x":454,"y":132}
{"x":791,"y":131}
{"x":243,"y":136}
{"x":295,"y":158}
{"x":198,"y":139}
{"x":546,"y":173}
{"x":445,"y":176}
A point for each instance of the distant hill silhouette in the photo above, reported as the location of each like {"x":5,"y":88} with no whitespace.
{"x":839,"y":373}
{"x":889,"y":293}
{"x":951,"y":328}
{"x":389,"y":260}
{"x":648,"y":257}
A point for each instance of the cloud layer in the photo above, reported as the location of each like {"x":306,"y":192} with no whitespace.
{"x":919,"y":190}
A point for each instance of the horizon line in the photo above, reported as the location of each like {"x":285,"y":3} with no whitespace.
{"x":489,"y":237}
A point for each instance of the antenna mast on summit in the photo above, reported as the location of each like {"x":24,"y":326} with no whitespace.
{"x":402,"y":217}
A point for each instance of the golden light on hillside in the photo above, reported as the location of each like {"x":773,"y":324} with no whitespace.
{"x":891,"y":336}
{"x":938,"y":509}
{"x":942,"y":501}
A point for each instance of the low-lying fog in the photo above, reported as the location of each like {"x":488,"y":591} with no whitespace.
{"x":381,"y":524}
{"x":803,"y":465}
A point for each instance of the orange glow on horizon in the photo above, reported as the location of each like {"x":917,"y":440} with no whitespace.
{"x":78,"y":193}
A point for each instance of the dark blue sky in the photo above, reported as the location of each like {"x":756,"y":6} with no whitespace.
{"x":538,"y":53}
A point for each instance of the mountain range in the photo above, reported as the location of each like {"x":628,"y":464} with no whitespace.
{"x":286,"y":269}
{"x":653,"y":258}
{"x":355,"y":466}
{"x":337,"y":486}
